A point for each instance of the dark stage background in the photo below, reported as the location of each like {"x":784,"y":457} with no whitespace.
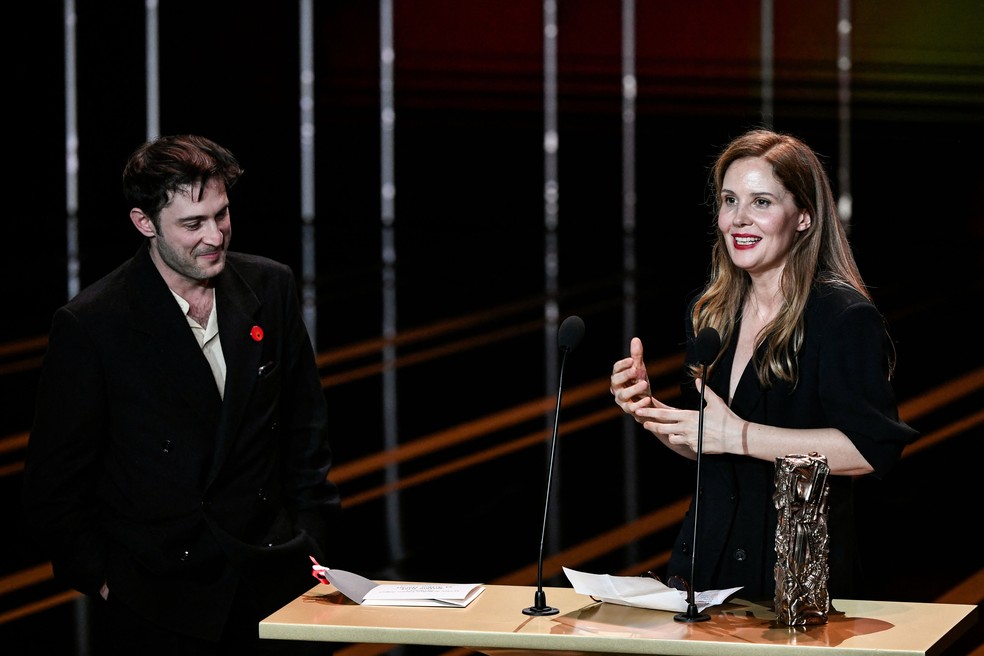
{"x":458,"y":496}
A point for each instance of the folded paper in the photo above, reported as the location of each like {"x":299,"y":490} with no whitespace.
{"x":642,"y":592}
{"x":369,"y":593}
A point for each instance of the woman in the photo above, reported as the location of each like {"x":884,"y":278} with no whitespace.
{"x":804,"y":366}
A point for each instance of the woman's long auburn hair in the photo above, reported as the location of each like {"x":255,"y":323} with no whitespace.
{"x":821,"y":253}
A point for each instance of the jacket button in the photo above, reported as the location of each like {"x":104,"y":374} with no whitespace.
{"x":184,"y":555}
{"x":166,"y":446}
{"x":740,"y":555}
{"x":261,"y":493}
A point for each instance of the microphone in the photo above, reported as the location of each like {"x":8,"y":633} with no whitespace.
{"x":569,"y":335}
{"x":707,"y":344}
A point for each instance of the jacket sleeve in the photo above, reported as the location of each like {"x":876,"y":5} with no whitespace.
{"x":856,"y":393}
{"x":64,"y":457}
{"x":312,"y":497}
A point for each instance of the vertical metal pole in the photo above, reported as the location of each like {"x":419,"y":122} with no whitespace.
{"x":308,"y":261}
{"x":551,"y":185}
{"x":71,"y":154}
{"x":152,"y":70}
{"x":629,"y":93}
{"x":389,"y":328}
{"x":767,"y":47}
{"x":80,"y":607}
{"x":551,"y":200}
{"x":844,"y":65}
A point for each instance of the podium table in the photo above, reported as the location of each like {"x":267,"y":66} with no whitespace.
{"x":495,"y":624}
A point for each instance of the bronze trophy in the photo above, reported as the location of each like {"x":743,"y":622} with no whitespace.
{"x":802,"y":541}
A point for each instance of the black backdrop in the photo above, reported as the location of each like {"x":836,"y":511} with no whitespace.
{"x":470,"y":236}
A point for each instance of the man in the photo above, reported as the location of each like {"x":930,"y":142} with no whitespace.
{"x":177,"y":466}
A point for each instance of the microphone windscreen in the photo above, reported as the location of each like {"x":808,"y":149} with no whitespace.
{"x":707,"y":345}
{"x":570,"y":333}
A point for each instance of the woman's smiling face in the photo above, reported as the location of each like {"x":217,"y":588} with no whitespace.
{"x":758,"y":217}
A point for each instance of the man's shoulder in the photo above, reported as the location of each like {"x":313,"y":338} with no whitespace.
{"x":265,"y":277}
{"x":106,"y":291}
{"x":257,"y":264}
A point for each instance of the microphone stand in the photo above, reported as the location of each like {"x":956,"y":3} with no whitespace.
{"x":692,"y":614}
{"x":540,"y":606}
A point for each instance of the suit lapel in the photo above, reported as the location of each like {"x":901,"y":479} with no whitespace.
{"x":238,"y":308}
{"x":168,"y":344}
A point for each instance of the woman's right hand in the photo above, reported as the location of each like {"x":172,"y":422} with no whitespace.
{"x":630,"y":382}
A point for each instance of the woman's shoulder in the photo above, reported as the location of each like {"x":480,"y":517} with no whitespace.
{"x":836,"y":296}
{"x":836,"y":304}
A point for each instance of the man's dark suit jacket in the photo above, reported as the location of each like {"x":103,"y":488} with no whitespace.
{"x":140,"y":475}
{"x":844,"y":384}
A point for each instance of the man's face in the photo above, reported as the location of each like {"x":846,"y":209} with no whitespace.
{"x":193,"y":234}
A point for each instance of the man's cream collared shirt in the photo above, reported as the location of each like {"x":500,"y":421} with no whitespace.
{"x":208,"y":339}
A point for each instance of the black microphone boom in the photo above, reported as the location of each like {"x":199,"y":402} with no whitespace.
{"x":706,"y":346}
{"x":569,"y":335}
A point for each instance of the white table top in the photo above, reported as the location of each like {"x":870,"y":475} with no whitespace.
{"x":495,"y":624}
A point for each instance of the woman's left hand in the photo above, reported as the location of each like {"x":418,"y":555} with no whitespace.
{"x":681,"y":426}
